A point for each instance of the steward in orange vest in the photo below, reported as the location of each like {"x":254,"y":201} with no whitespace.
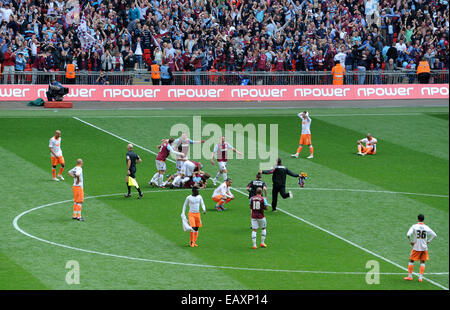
{"x":423,"y":71}
{"x":338,"y":72}
{"x":70,"y":73}
{"x":156,"y":76}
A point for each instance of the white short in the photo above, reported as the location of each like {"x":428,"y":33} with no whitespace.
{"x":187,"y":170}
{"x":222,"y":165}
{"x":160,"y":165}
{"x":259,"y":223}
{"x":179,"y":164}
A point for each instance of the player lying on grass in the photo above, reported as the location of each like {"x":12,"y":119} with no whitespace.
{"x":194,"y":201}
{"x":420,"y":246}
{"x":222,"y":195}
{"x":370,"y":147}
{"x":78,"y":189}
{"x":305,"y":138}
{"x":258,"y":204}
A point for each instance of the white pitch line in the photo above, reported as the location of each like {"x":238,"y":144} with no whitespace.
{"x":292,"y":215}
{"x":367,"y":191}
{"x":17,"y":227}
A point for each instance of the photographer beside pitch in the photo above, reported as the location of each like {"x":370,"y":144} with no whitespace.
{"x":279,"y":173}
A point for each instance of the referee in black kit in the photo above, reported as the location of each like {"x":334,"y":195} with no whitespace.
{"x":132,"y":158}
{"x":279,"y":182}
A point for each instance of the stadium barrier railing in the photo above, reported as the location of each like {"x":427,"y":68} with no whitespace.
{"x":143,"y":77}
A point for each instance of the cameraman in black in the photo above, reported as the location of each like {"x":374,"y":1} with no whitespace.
{"x":279,"y":173}
{"x":56,"y":91}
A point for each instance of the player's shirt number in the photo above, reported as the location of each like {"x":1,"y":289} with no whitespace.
{"x":256,"y":205}
{"x":421,"y":234}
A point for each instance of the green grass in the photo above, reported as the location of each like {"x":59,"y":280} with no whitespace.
{"x":139,"y":244}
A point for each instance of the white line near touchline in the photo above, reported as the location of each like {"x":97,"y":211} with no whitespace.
{"x":294,"y":216}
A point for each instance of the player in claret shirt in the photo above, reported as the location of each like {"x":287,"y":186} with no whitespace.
{"x":165,"y":148}
{"x":221,"y":150}
{"x":258,"y":204}
{"x":420,"y":246}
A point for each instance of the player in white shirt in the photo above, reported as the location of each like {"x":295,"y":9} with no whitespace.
{"x":370,"y":147}
{"x":56,"y":155}
{"x":305,"y":138}
{"x":185,"y":174}
{"x":78,"y":189}
{"x":222,"y":195}
{"x":221,"y":150}
{"x":194,"y":201}
{"x":423,"y":235}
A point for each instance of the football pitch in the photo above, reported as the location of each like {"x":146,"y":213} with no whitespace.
{"x":349,"y":220}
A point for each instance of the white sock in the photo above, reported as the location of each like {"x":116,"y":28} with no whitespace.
{"x":217,"y":175}
{"x":160,"y":179}
{"x":224,"y":176}
{"x":254,"y":237}
{"x":263,"y":235}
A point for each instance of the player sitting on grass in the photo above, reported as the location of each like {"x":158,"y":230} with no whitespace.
{"x":222,"y":195}
{"x":370,"y":147}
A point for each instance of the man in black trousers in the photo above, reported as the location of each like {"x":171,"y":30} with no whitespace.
{"x":279,"y":182}
{"x":132,"y":160}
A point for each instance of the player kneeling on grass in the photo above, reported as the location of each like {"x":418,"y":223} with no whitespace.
{"x":370,"y":147}
{"x":222,"y":195}
{"x":258,"y":204}
{"x":78,"y":193}
{"x":194,"y":201}
{"x":420,"y":246}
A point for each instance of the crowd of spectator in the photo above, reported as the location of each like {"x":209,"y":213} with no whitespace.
{"x":222,"y":35}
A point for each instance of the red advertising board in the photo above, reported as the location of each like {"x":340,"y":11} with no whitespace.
{"x":230,"y":93}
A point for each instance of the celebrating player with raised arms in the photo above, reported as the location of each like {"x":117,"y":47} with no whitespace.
{"x":258,"y":204}
{"x":305,"y":138}
{"x":194,"y":201}
{"x":421,"y":233}
{"x":221,"y":151}
{"x":164,"y":150}
{"x":182,"y":144}
{"x":56,"y":155}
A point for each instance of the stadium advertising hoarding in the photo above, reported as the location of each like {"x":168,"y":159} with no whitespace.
{"x":230,"y":93}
